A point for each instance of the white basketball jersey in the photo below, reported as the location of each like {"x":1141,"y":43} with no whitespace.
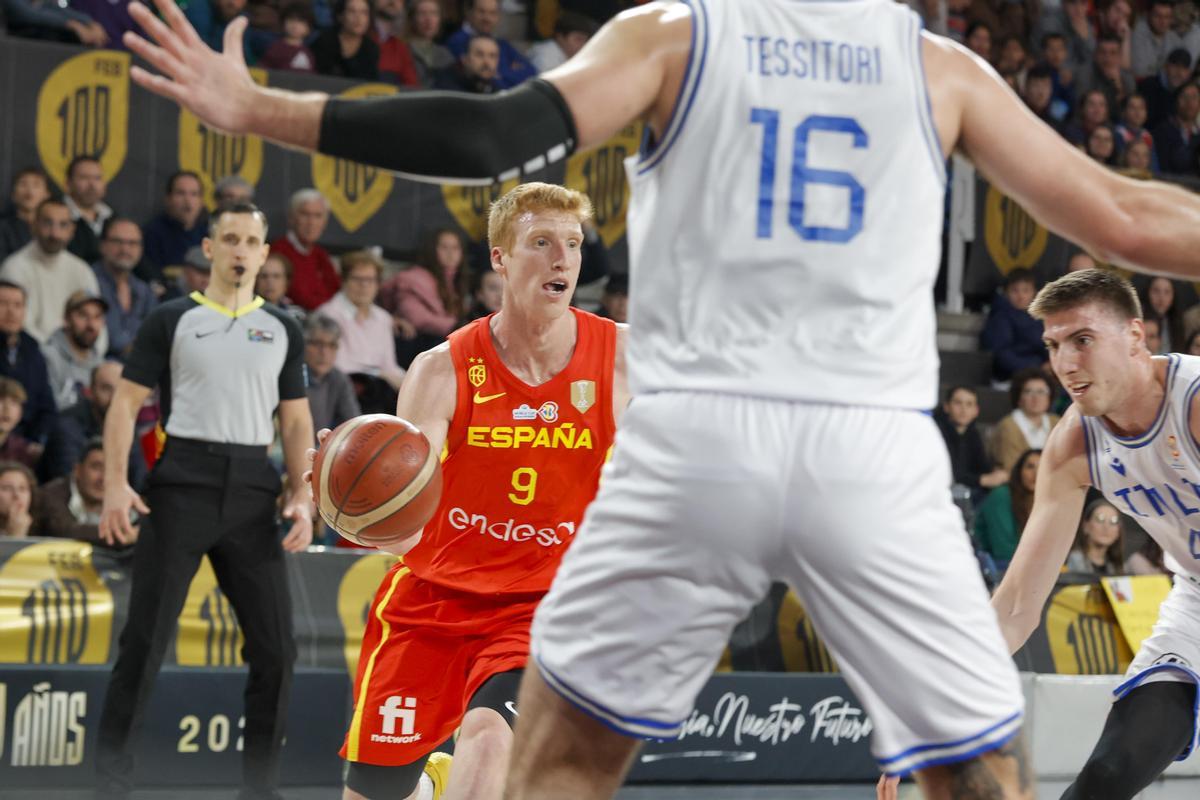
{"x":785,"y":230}
{"x":1155,"y":477}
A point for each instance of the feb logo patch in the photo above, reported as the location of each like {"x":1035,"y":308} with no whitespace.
{"x":258,"y":335}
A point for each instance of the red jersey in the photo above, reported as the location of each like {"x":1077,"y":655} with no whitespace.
{"x":522,"y":463}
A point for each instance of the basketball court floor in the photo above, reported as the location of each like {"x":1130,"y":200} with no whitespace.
{"x":1174,"y":789}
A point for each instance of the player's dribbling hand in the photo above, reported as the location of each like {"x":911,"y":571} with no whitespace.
{"x":888,"y":788}
{"x":216,"y":87}
{"x":115,"y":525}
{"x":311,"y":455}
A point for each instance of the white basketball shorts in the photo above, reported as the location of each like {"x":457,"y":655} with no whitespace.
{"x":1172,"y":650}
{"x":708,"y":499}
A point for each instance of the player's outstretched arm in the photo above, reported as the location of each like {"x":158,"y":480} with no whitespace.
{"x":1144,"y":225}
{"x":1057,"y":502}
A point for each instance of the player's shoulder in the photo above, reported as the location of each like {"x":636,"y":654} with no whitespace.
{"x":434,"y":365}
{"x":1066,"y":447}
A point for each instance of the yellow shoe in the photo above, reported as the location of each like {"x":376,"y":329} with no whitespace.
{"x":438,"y":770}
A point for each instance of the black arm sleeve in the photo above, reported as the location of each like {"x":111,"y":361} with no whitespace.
{"x":452,"y":136}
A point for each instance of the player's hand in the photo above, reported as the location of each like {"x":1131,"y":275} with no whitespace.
{"x":888,"y":788}
{"x":115,"y":526}
{"x":311,"y":455}
{"x":216,"y":87}
{"x":299,"y":511}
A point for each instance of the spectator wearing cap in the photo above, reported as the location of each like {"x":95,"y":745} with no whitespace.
{"x":47,"y":271}
{"x":1159,"y":90}
{"x":181,"y":226}
{"x":1013,"y":337}
{"x":571,"y":33}
{"x":231,"y":190}
{"x":290,"y":52}
{"x":129,"y":297}
{"x":192,"y":276}
{"x":330,"y":392}
{"x":314,"y":278}
{"x":86,"y":189}
{"x":1177,"y":139}
{"x":22,"y":360}
{"x":70,"y":506}
{"x":483,"y":19}
{"x":73,"y":351}
{"x":14,"y":446}
{"x":30,"y":187}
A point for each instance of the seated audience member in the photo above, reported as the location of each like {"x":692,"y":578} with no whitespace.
{"x":18,"y":488}
{"x":1177,"y":138}
{"x":396,"y":63}
{"x":1192,"y":347}
{"x":130,"y":299}
{"x":1154,"y":328}
{"x":73,"y":351}
{"x":86,"y":189}
{"x":475,"y":71}
{"x":1054,"y":56}
{"x":290,"y":52}
{"x":23,"y":362}
{"x":84,"y":421}
{"x":367,"y":346}
{"x":1012,"y":336}
{"x":571,"y":33}
{"x":1106,"y":74}
{"x":429,"y":295}
{"x":70,"y":506}
{"x":1132,"y":127}
{"x":1137,"y":161}
{"x":210,"y":18}
{"x":1102,"y":146}
{"x":483,"y":19}
{"x":487,"y":293}
{"x":112,"y":16}
{"x":1080,"y":260}
{"x":30,"y":187}
{"x":1158,"y":302}
{"x":42,"y":19}
{"x":14,"y":446}
{"x":330,"y":392}
{"x":1038,"y":95}
{"x":182,"y":226}
{"x":614,"y":303}
{"x":969,"y":461}
{"x":1147,"y":560}
{"x":1012,"y":58}
{"x":1093,"y":113}
{"x":345,"y":51}
{"x":1002,"y":516}
{"x":272,"y":284}
{"x":1152,"y":39}
{"x":424,"y":27}
{"x":979,"y":40}
{"x":231,"y":190}
{"x":1160,"y":90}
{"x":1098,"y":548}
{"x":314,"y":278}
{"x":48,"y":272}
{"x":1029,"y":423}
{"x":190,"y":276}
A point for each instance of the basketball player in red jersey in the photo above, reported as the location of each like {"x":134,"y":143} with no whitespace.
{"x":525,"y":402}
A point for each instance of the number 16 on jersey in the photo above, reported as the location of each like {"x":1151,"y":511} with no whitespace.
{"x":803,"y":174}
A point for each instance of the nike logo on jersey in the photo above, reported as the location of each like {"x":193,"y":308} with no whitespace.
{"x":200,"y":335}
{"x":481,"y":398}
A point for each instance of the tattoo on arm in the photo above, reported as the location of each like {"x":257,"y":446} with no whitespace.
{"x":983,"y":778}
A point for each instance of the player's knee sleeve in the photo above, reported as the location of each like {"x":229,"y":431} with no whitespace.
{"x":499,"y":693}
{"x":384,"y":783}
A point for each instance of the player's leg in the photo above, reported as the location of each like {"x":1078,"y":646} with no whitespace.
{"x":668,"y":560}
{"x":171,"y":543}
{"x":1146,"y":730}
{"x":484,"y":740}
{"x":880,"y":559}
{"x":248,"y":562}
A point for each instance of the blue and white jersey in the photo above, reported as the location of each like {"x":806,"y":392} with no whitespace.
{"x":785,"y":229}
{"x":1155,"y":477}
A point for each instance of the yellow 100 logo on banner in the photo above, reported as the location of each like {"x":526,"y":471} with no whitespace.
{"x":355,"y":191}
{"x":214,"y":155}
{"x":83,"y":110}
{"x":600,"y":174}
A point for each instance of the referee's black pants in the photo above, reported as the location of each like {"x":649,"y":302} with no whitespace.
{"x":218,"y":500}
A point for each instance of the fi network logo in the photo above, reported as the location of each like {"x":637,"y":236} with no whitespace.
{"x":392,"y":709}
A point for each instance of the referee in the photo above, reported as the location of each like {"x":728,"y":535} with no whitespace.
{"x":224,"y":361}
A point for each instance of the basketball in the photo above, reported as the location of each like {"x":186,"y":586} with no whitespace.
{"x":376,"y":480}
